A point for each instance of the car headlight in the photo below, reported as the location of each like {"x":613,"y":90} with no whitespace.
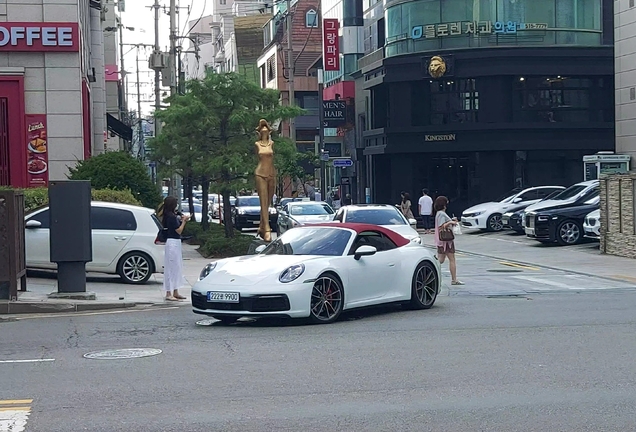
{"x":542,"y":218}
{"x":207,"y":270}
{"x":417,"y":240}
{"x":477,"y":213}
{"x":241,"y":211}
{"x":292,"y":273}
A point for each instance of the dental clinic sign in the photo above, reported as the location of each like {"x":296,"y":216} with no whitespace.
{"x":39,"y":37}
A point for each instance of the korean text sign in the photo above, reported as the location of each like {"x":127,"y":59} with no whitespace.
{"x":331,"y":44}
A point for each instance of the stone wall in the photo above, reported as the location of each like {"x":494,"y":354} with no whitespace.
{"x":618,"y":235}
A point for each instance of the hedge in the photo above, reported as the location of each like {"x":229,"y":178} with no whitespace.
{"x":38,"y":197}
{"x":214,"y":244}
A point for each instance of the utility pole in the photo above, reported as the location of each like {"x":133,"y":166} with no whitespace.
{"x":290,"y":71}
{"x":142,"y":150}
{"x":123,"y":70}
{"x":173,"y":47}
{"x":157,"y":50}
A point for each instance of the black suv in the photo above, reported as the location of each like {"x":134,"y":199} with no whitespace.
{"x":247,"y":213}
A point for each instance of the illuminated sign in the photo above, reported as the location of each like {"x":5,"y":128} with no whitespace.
{"x":39,"y":37}
{"x":478,"y":28}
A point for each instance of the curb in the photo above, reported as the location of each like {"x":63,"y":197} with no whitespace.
{"x":542,"y":266}
{"x":18,"y":307}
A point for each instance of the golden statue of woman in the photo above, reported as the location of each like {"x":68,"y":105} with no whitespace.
{"x":265,"y":176}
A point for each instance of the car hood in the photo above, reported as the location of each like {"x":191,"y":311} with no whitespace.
{"x":309,"y":219}
{"x":253,"y":269}
{"x":550,"y":205}
{"x":249,"y":209}
{"x":404,"y":230}
{"x":484,"y":207}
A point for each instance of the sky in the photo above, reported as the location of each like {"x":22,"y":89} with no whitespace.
{"x":140,"y":15}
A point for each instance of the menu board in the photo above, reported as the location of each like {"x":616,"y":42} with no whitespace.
{"x":37,"y":151}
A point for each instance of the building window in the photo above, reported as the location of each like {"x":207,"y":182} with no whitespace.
{"x":559,"y":99}
{"x":311,"y":18}
{"x":454,"y":101}
{"x":271,"y":68}
{"x":222,"y":2}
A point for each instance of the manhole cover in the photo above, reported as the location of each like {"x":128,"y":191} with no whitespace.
{"x":118,"y":354}
{"x":505,"y":271}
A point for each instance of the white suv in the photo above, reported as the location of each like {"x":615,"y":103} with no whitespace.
{"x":123,"y":241}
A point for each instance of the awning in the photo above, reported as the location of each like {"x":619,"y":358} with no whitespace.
{"x":119,"y":128}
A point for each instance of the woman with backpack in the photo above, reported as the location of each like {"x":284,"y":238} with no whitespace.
{"x":173,"y":261}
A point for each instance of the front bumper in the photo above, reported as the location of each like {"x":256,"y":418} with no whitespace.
{"x":592,"y":232}
{"x":474,"y":222}
{"x":542,"y":231}
{"x":291,"y":301}
{"x":253,"y":220}
{"x":513,"y":223}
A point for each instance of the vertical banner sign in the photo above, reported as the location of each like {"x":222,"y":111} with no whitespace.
{"x":330,"y":44}
{"x":37,"y":150}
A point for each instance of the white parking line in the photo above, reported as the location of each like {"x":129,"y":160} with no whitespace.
{"x":27,"y":361}
{"x":546,"y":282}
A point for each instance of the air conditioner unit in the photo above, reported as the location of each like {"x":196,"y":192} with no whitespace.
{"x":158,"y":60}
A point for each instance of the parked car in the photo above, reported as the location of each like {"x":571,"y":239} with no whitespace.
{"x":592,"y":225}
{"x":317,"y":272}
{"x":246,"y":213}
{"x":198,"y":211}
{"x":487,"y":216}
{"x":563,"y":222}
{"x":514,"y":219}
{"x":123,"y":241}
{"x":384,"y":215}
{"x":299,"y":213}
{"x":217,"y":205}
{"x":283,"y":201}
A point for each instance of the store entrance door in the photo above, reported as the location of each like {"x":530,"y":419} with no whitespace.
{"x":13,"y":149}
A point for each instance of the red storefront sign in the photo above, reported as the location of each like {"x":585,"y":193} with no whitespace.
{"x":37,"y":151}
{"x":330,"y":44}
{"x":38,"y":37}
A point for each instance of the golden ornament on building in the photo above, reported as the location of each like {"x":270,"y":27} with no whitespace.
{"x":436,"y":67}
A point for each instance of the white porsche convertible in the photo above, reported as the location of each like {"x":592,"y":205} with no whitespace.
{"x":318,"y":271}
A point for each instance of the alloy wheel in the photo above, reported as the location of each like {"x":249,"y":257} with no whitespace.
{"x":569,"y":233}
{"x":326,"y":299}
{"x":136,"y":268}
{"x":495,"y":223}
{"x":426,"y":285}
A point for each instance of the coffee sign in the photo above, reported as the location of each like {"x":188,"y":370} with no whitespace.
{"x":39,"y":37}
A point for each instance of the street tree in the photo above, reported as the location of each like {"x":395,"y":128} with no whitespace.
{"x":209,"y":132}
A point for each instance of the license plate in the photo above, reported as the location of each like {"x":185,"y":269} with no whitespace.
{"x":530,"y":231}
{"x":223,"y":297}
{"x":256,"y":222}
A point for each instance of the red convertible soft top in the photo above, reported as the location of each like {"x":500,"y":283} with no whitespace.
{"x":360,"y":227}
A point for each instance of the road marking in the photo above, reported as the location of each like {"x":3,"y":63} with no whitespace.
{"x":27,"y":361}
{"x":75,"y":314}
{"x":546,"y":282}
{"x":14,"y":419}
{"x":522,"y":266}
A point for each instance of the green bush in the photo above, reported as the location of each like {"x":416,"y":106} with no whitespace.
{"x":213,"y":243}
{"x":38,"y":197}
{"x":119,"y":171}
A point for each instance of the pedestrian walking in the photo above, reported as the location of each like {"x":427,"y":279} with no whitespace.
{"x":444,"y":237}
{"x":405,"y":206}
{"x":173,"y":259}
{"x":347,"y":200}
{"x":425,"y":209}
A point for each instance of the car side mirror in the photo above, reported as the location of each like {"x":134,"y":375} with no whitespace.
{"x":260,"y":249}
{"x":364,"y":250}
{"x":517,"y":200}
{"x":412,"y":222}
{"x":33,"y":224}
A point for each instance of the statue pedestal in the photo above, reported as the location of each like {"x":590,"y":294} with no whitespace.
{"x":251,"y":250}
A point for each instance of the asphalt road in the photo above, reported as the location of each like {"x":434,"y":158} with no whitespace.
{"x":542,"y":362}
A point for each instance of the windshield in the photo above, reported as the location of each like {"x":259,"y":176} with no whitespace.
{"x":508,"y":196}
{"x":553,"y":194}
{"x":570,"y":192}
{"x":376,"y":216}
{"x":310,"y":241}
{"x":310,"y":209}
{"x":248,"y":201}
{"x":186,"y":207}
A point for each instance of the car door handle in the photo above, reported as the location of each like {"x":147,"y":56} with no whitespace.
{"x":391,"y":264}
{"x":120,"y":238}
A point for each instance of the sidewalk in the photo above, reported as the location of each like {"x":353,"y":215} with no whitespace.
{"x":109,"y":292}
{"x":583,"y":259}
